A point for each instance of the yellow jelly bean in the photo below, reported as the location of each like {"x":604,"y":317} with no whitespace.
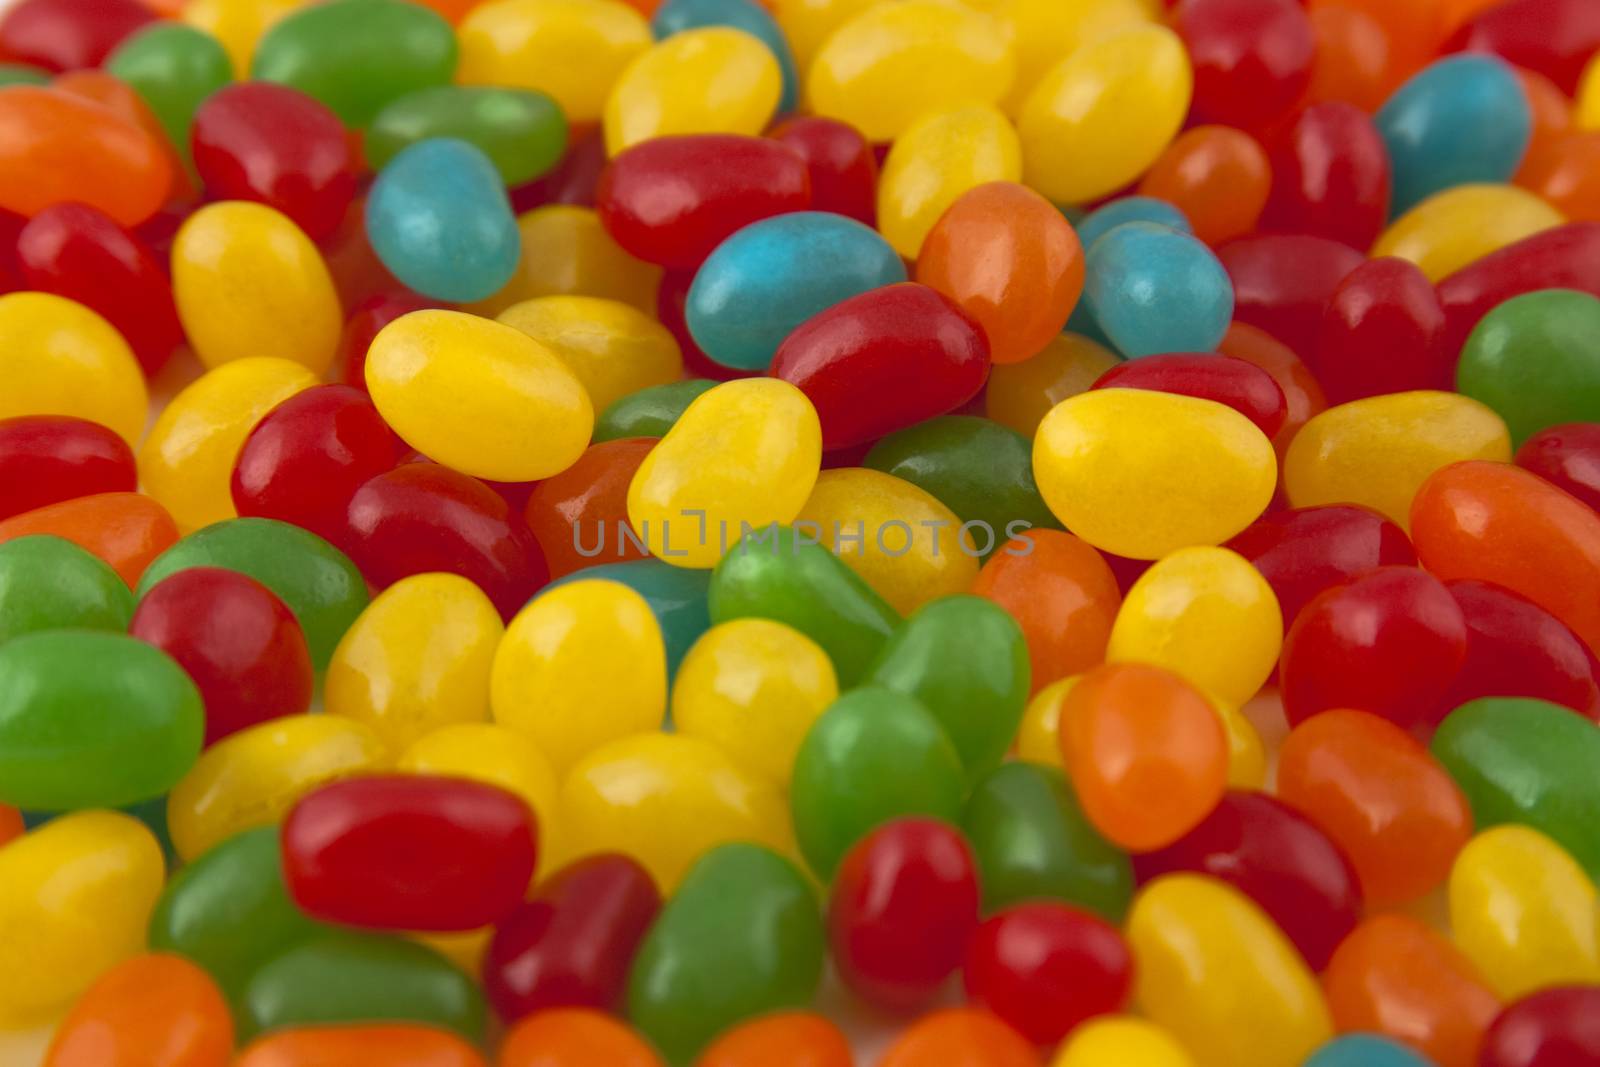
{"x":1141,"y":474}
{"x":1212,"y":968}
{"x":75,"y":900}
{"x":1247,"y":755}
{"x":1121,"y":1041}
{"x":1378,"y":451}
{"x":1587,"y":112}
{"x":59,"y":358}
{"x":252,"y":778}
{"x":465,"y":950}
{"x":1020,"y":395}
{"x":1523,"y":911}
{"x":743,"y":454}
{"x":1047,"y":31}
{"x":664,"y":799}
{"x":1463,"y":224}
{"x":581,"y":665}
{"x":613,"y":348}
{"x":574,"y":50}
{"x":417,"y":658}
{"x":710,"y":80}
{"x":237,"y":24}
{"x":937,"y":158}
{"x":565,"y":250}
{"x":478,"y":396}
{"x":896,"y":60}
{"x":897,"y":536}
{"x":753,"y":687}
{"x":1038,"y":736}
{"x":1206,"y":614}
{"x":806,"y":24}
{"x":187,"y":461}
{"x":248,"y":282}
{"x":1105,"y":113}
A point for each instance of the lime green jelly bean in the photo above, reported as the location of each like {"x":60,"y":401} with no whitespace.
{"x":47,"y":583}
{"x":522,"y":131}
{"x":649,"y":412}
{"x":1532,"y":360}
{"x":173,"y":67}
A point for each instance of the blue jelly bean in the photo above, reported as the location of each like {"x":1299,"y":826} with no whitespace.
{"x":1365,"y":1050}
{"x":677,"y":596}
{"x":1102,"y":220}
{"x":675,"y":16}
{"x":439,"y":219}
{"x":1153,"y":289}
{"x":771,"y":276}
{"x":1463,"y":119}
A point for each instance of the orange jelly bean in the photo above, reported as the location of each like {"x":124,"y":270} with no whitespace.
{"x":1393,"y":975}
{"x":1413,"y":28}
{"x":960,"y":1037}
{"x":1382,"y":798}
{"x":127,"y":530}
{"x":574,"y":1037}
{"x":56,"y":147}
{"x":1551,"y":111}
{"x":361,"y":1046}
{"x":1219,"y":177}
{"x":119,"y":97}
{"x":1498,"y":523}
{"x":1566,"y":174}
{"x":586,"y":506}
{"x":151,"y":1011}
{"x":1302,"y":393}
{"x":1146,"y":752}
{"x":788,"y":1039}
{"x":11,"y":825}
{"x":1354,"y":64}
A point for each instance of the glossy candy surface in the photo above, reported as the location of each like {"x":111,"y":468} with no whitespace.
{"x":1153,"y":289}
{"x":64,"y":359}
{"x":715,"y":79}
{"x":522,"y":132}
{"x":1524,"y":360}
{"x":936,"y":159}
{"x":48,"y":583}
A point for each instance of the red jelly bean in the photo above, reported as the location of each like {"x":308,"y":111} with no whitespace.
{"x":423,"y":517}
{"x":236,"y":639}
{"x":672,"y":200}
{"x":843,"y":166}
{"x":583,"y":508}
{"x":69,"y":34}
{"x":357,"y":272}
{"x":905,"y":902}
{"x":11,"y":225}
{"x":1389,"y":642}
{"x":1566,"y":257}
{"x":1330,"y":177}
{"x":1243,"y":386}
{"x":1557,"y":1027}
{"x":276,"y":146}
{"x":884,"y":360}
{"x":409,"y":852}
{"x":1516,"y":648}
{"x":573,"y":943}
{"x":303,"y":463}
{"x":1568,"y":457}
{"x":45,"y":459}
{"x":1552,"y":37}
{"x":1044,"y":968}
{"x":1252,"y":59}
{"x":572,"y":181}
{"x":1281,"y":283}
{"x":1382,"y":332}
{"x":1278,"y":858}
{"x":369,"y":317}
{"x":1302,"y":396}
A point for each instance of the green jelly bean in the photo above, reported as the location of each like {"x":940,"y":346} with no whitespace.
{"x":338,"y":976}
{"x":229,"y":910}
{"x":173,"y":67}
{"x":1533,"y":360}
{"x":49,"y":583}
{"x":318,"y":582}
{"x":874,"y":755}
{"x":22,"y":74}
{"x":964,"y":659}
{"x":649,"y":412}
{"x":741,"y":937}
{"x":1033,"y":842}
{"x":1530,"y":762}
{"x":358,"y":56}
{"x":977,"y":468}
{"x":677,"y":596}
{"x":93,"y":720}
{"x":775,"y":574}
{"x":522,"y":131}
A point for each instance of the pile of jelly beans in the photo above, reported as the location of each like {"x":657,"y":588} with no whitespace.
{"x":799,"y":533}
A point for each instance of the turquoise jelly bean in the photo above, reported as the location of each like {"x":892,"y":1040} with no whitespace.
{"x":1365,"y":1050}
{"x":439,"y":219}
{"x":771,"y":276}
{"x":677,"y":595}
{"x":1104,"y":219}
{"x":675,"y":16}
{"x":1154,"y":289}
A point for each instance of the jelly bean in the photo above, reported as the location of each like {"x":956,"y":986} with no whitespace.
{"x":521,"y":131}
{"x":22,"y":74}
{"x":1535,"y":334}
{"x":1123,"y":1040}
{"x":1549,"y":1028}
{"x":580,"y":516}
{"x":1558,"y":258}
{"x":1461,"y":225}
{"x":1252,"y":59}
{"x":772,"y":276}
{"x":1330,"y":177}
{"x":64,"y":359}
{"x":1044,"y":32}
{"x":122,"y":100}
{"x":648,"y":412}
{"x":1516,"y":648}
{"x":1387,"y":804}
{"x":1554,"y":37}
{"x":1395,"y":976}
{"x":346,"y":977}
{"x":239,"y":26}
{"x":786,"y":1039}
{"x":934,"y":161}
{"x":365,"y":322}
{"x":710,"y":80}
{"x":492,"y":754}
{"x":11,"y":824}
{"x":677,"y":16}
{"x":959,"y":1037}
{"x":1287,"y":304}
{"x":841,"y":164}
{"x":575,"y":1037}
{"x":1365,"y":1050}
{"x":1152,"y":289}
{"x":70,"y":35}
{"x":49,"y":583}
{"x":1355,"y":62}
{"x":1242,"y":386}
{"x":528,"y":416}
{"x":807,"y":24}
{"x":676,"y":596}
{"x":571,"y":945}
{"x":1382,"y":333}
{"x":1019,"y":395}
{"x":155,"y":1009}
{"x":741,"y":937}
{"x":174,"y":68}
{"x":1125,"y":209}
{"x":1379,"y":452}
{"x":358,"y":55}
{"x":1562,"y":173}
{"x":394,"y":1045}
{"x":1564,"y":456}
{"x":75,"y":895}
{"x":1204,"y":477}
{"x":615,"y":350}
{"x":1217,"y":176}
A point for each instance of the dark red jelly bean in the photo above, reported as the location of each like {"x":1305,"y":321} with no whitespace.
{"x":672,"y":200}
{"x":1252,"y":59}
{"x":1390,"y":643}
{"x":1330,"y":177}
{"x":11,"y":225}
{"x":1282,"y":282}
{"x":1515,"y":648}
{"x":1245,"y":387}
{"x":369,"y":317}
{"x":843,"y":166}
{"x":1278,"y":858}
{"x":1557,"y":1027}
{"x":69,"y":34}
{"x":277,"y":146}
{"x":45,"y":459}
{"x":409,"y":852}
{"x":1552,"y":37}
{"x":1044,"y":968}
{"x":1566,"y":456}
{"x":571,"y":946}
{"x":236,"y":639}
{"x":81,"y":253}
{"x":904,"y":905}
{"x":885,"y":360}
{"x":1382,"y":332}
{"x":572,"y":181}
{"x":357,"y":272}
{"x":577,"y":515}
{"x":423,"y":517}
{"x":303,"y":463}
{"x":670,"y":299}
{"x":1305,"y":551}
{"x":1566,"y":257}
